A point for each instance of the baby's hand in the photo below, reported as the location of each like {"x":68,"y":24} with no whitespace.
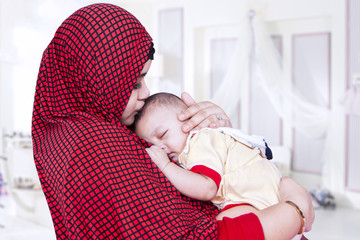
{"x":159,"y":156}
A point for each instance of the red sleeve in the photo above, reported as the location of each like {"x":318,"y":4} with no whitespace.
{"x":207,"y":172}
{"x":244,"y":227}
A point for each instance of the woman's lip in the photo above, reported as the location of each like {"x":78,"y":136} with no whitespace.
{"x":142,"y":105}
{"x":138,"y":110}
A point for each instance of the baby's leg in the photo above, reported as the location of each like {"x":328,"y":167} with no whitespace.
{"x":236,"y":211}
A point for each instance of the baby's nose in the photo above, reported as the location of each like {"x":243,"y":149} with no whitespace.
{"x":163,"y":147}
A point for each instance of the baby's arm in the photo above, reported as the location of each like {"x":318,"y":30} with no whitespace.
{"x":191,"y":184}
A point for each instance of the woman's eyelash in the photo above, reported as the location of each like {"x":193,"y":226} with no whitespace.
{"x":137,"y":86}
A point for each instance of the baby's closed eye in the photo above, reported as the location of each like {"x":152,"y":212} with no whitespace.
{"x":163,"y":134}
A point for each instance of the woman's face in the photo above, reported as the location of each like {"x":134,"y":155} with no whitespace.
{"x":138,"y":95}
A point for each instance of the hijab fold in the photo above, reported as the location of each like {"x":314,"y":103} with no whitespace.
{"x":97,"y":178}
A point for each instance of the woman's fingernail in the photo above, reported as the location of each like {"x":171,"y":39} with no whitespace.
{"x":181,"y":116}
{"x":186,"y":127}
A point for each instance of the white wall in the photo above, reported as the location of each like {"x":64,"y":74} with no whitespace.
{"x":26,"y":28}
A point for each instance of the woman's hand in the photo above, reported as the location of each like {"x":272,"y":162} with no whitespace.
{"x":282,"y":221}
{"x":292,"y":191}
{"x":201,"y":115}
{"x":159,"y":156}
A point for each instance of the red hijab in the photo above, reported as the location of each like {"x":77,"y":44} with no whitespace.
{"x":97,"y":178}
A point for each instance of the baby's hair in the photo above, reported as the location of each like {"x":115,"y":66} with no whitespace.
{"x":159,"y":99}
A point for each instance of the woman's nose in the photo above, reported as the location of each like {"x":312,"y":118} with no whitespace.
{"x":144,"y":92}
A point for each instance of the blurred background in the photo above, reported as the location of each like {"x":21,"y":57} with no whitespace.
{"x":285,"y":70}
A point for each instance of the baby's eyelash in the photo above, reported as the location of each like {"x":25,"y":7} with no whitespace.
{"x":162,"y":135}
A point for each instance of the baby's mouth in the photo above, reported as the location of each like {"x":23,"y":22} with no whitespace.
{"x":171,"y":155}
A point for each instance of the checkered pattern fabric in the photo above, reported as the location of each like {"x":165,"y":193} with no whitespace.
{"x":97,"y":178}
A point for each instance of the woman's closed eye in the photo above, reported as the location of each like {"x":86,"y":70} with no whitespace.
{"x":137,"y":85}
{"x":140,"y":81}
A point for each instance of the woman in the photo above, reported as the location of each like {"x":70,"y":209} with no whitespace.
{"x":97,"y":178}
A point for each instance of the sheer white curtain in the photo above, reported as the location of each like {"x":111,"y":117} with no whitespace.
{"x":229,"y":92}
{"x":351,"y":100}
{"x":256,"y":46}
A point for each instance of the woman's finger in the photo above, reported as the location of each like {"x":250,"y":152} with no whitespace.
{"x":220,"y":123}
{"x":202,"y":114}
{"x":213,"y":121}
{"x":193,"y":107}
{"x":205,"y":123}
{"x":205,"y":114}
{"x":196,"y":114}
{"x":187,"y":99}
{"x":204,"y":107}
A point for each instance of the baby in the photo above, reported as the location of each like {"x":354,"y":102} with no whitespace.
{"x":225,"y":166}
{"x":222,"y":165}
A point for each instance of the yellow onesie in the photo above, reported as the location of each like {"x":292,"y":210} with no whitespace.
{"x":240,"y":172}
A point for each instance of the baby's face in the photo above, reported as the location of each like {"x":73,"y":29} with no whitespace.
{"x":161,"y":127}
